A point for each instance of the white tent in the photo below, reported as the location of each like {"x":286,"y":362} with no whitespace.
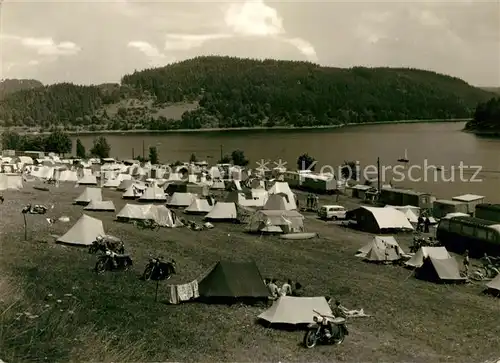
{"x":134,"y":191}
{"x":276,"y":221}
{"x":389,"y":218}
{"x":158,"y":213}
{"x":88,"y":195}
{"x":111,"y":183}
{"x":284,"y":188}
{"x":87,"y":178}
{"x":223,"y":211}
{"x":199,"y":206}
{"x":11,"y":182}
{"x":153,"y":194}
{"x":277,"y":202}
{"x":409,"y":211}
{"x":181,"y":199}
{"x":124,"y":185}
{"x":68,"y":176}
{"x":84,"y":231}
{"x":437,"y":253}
{"x":381,"y":248}
{"x":295,"y":310}
{"x":100,"y":205}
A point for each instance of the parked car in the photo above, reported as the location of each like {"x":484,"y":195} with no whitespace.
{"x":332,"y":212}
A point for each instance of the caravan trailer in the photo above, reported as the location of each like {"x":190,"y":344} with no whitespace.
{"x":479,"y":236}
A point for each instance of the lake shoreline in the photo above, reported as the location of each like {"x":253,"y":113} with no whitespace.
{"x":230,"y":129}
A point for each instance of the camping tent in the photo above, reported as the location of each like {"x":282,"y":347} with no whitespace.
{"x":295,"y":310}
{"x":158,"y":213}
{"x":153,"y":194}
{"x":284,"y":188}
{"x":88,"y":195}
{"x":437,"y":253}
{"x":181,"y":199}
{"x":277,"y":202}
{"x":233,"y":280}
{"x":381,"y":248}
{"x":494,"y":285}
{"x":84,"y":232}
{"x":222,"y":211}
{"x":276,"y":221}
{"x":87,"y":179}
{"x":134,"y":191}
{"x":409,"y":211}
{"x":199,"y":206}
{"x":439,"y":270}
{"x":11,"y":182}
{"x":100,"y":205}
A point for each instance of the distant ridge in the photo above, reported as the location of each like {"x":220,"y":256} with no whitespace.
{"x":227,"y":92}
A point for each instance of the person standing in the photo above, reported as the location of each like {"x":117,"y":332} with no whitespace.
{"x":466,"y":263}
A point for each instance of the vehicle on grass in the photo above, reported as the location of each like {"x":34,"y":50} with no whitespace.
{"x":332,"y":212}
{"x":157,"y":269}
{"x":111,"y":261}
{"x":325,"y":330}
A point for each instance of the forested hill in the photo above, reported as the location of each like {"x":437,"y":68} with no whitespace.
{"x":8,"y":86}
{"x":232,"y":92}
{"x":486,"y":117}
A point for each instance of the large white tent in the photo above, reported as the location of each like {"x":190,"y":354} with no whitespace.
{"x":84,"y":232}
{"x":295,"y":310}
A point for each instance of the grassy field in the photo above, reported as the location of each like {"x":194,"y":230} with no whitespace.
{"x":113,"y":317}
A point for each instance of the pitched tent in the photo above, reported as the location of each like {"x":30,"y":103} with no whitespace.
{"x":87,"y":179}
{"x":153,"y":194}
{"x":11,"y":182}
{"x":84,"y":232}
{"x":295,"y":310}
{"x":101,"y":206}
{"x":494,"y":285}
{"x":438,"y":253}
{"x":284,"y":188}
{"x":158,"y":213}
{"x":68,"y":176}
{"x":379,"y":220}
{"x":88,"y":195}
{"x":181,"y":199}
{"x":111,"y":183}
{"x":381,"y":249}
{"x":222,"y":212}
{"x":134,"y":191}
{"x":409,"y":211}
{"x":199,"y":206}
{"x":125,"y":184}
{"x":233,"y":280}
{"x":276,"y":221}
{"x":276,"y":202}
{"x":435,"y":270}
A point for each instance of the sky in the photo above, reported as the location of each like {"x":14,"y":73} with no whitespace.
{"x":91,"y":42}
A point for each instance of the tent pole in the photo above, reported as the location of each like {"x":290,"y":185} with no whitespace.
{"x":25,"y":227}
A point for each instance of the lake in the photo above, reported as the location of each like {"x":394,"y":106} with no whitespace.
{"x":427,"y":146}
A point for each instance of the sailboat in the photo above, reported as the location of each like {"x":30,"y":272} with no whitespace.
{"x":405,"y":159}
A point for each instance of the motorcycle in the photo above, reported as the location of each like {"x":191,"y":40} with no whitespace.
{"x":317,"y":332}
{"x":107,"y":243}
{"x":106,"y":263}
{"x":156,"y":269}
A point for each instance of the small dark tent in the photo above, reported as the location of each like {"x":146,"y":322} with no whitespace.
{"x":439,"y":270}
{"x":230,"y":281}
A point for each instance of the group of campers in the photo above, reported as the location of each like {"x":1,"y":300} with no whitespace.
{"x":423,"y":224}
{"x":312,"y":202}
{"x":286,"y":289}
{"x":488,"y":266}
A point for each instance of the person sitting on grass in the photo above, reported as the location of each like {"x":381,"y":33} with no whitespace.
{"x":286,"y":289}
{"x":273,"y":289}
{"x":298,"y":292}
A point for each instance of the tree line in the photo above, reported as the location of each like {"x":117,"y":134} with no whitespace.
{"x":234,"y":92}
{"x":57,"y":142}
{"x":486,"y":116}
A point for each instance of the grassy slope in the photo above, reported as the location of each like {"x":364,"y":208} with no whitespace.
{"x":116,"y":319}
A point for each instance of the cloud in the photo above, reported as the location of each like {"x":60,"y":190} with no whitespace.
{"x":43,"y":46}
{"x":155,"y":56}
{"x":252,"y":18}
{"x":189,"y":41}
